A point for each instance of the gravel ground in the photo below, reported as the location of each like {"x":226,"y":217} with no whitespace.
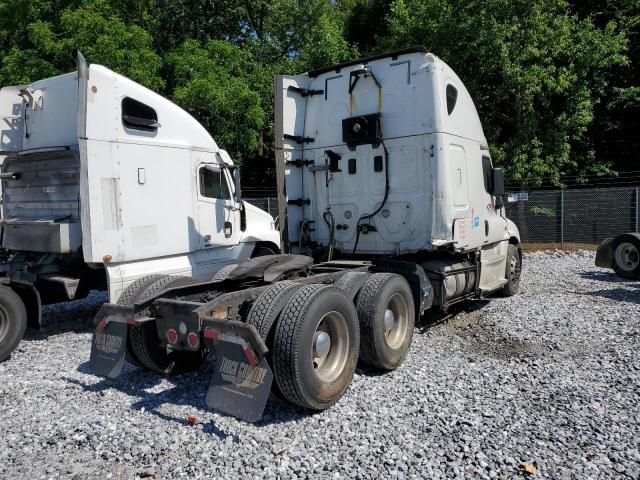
{"x":548,"y":379}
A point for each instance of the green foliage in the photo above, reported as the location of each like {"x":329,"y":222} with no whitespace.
{"x":216,"y":83}
{"x":326,"y":44}
{"x":534,"y":70}
{"x":556,"y":82}
{"x":95,"y":30}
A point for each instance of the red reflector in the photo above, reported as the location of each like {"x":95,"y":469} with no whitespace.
{"x":172,"y":336}
{"x":212,"y":333}
{"x":193,"y":340}
{"x":250,"y":356}
{"x":102,"y":325}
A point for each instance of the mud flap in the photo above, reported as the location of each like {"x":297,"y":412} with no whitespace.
{"x":240,"y":384}
{"x":109,"y":341}
{"x":604,"y":254}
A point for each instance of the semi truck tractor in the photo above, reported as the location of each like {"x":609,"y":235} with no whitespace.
{"x":105,"y":182}
{"x":390,"y":208}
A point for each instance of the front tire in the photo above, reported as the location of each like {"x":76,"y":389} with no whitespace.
{"x":513,"y":271}
{"x":387,"y":317}
{"x":316,"y":346}
{"x":13,"y":321}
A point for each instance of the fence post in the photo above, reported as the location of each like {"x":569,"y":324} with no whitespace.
{"x":637,"y":209}
{"x":562,"y":219}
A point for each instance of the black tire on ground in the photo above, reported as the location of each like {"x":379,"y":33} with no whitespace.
{"x":261,"y":251}
{"x":351,"y":283}
{"x":129,"y":296}
{"x":387,"y":316}
{"x":223,"y":272}
{"x":626,"y":256}
{"x":311,"y":372}
{"x":146,"y":347}
{"x":13,"y":321}
{"x":266,"y":309}
{"x":513,"y":271}
{"x":264,"y":313}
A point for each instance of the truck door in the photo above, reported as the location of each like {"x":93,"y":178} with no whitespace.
{"x":218,"y":214}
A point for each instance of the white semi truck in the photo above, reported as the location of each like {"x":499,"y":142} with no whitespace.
{"x":105,"y":182}
{"x":389,"y":207}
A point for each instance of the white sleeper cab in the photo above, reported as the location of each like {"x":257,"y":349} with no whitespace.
{"x":105,"y":182}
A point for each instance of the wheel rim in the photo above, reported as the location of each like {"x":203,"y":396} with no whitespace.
{"x":627,"y":257}
{"x":330,"y":346}
{"x":396,"y":321}
{"x":4,"y":322}
{"x":514,"y":269}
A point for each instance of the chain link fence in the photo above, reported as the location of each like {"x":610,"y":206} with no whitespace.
{"x":268,"y":204}
{"x":575,"y":218}
{"x":569,"y":218}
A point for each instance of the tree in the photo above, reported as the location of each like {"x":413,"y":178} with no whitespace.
{"x":534,"y":70}
{"x":617,"y":117}
{"x":48,"y":46}
{"x":217,"y":84}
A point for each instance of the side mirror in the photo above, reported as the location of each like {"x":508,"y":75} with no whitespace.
{"x":497,"y":182}
{"x":235,"y":174}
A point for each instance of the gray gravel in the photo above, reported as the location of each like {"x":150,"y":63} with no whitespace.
{"x":549,"y":378}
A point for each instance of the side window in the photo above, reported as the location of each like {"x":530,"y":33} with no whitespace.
{"x":452,"y":98}
{"x":213,"y":184}
{"x":486,"y":173}
{"x":138,"y":116}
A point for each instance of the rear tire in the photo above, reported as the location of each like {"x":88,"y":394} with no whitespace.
{"x":263,"y":251}
{"x":266,"y":309}
{"x":264,"y":313}
{"x":129,"y":296}
{"x":147,"y":349}
{"x":513,"y":271}
{"x":316,"y":346}
{"x":387,"y":317}
{"x":13,"y":321}
{"x":223,"y":272}
{"x":351,"y":283}
{"x":626,"y":256}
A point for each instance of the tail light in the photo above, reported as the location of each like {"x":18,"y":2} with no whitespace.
{"x":172,"y":336}
{"x":193,"y":339}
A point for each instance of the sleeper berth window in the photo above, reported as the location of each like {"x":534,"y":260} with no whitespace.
{"x":452,"y":98}
{"x":138,"y":116}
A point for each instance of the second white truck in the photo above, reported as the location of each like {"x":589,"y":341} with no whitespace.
{"x":105,"y":182}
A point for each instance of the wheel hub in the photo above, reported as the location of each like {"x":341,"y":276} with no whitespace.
{"x":389,"y":319}
{"x":321,"y":344}
{"x":396,"y":321}
{"x":627,"y":256}
{"x":330,"y":347}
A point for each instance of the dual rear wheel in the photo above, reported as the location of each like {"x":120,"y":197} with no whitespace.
{"x":320,"y":334}
{"x":315,"y":333}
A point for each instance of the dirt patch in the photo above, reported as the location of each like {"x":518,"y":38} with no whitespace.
{"x":568,"y":246}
